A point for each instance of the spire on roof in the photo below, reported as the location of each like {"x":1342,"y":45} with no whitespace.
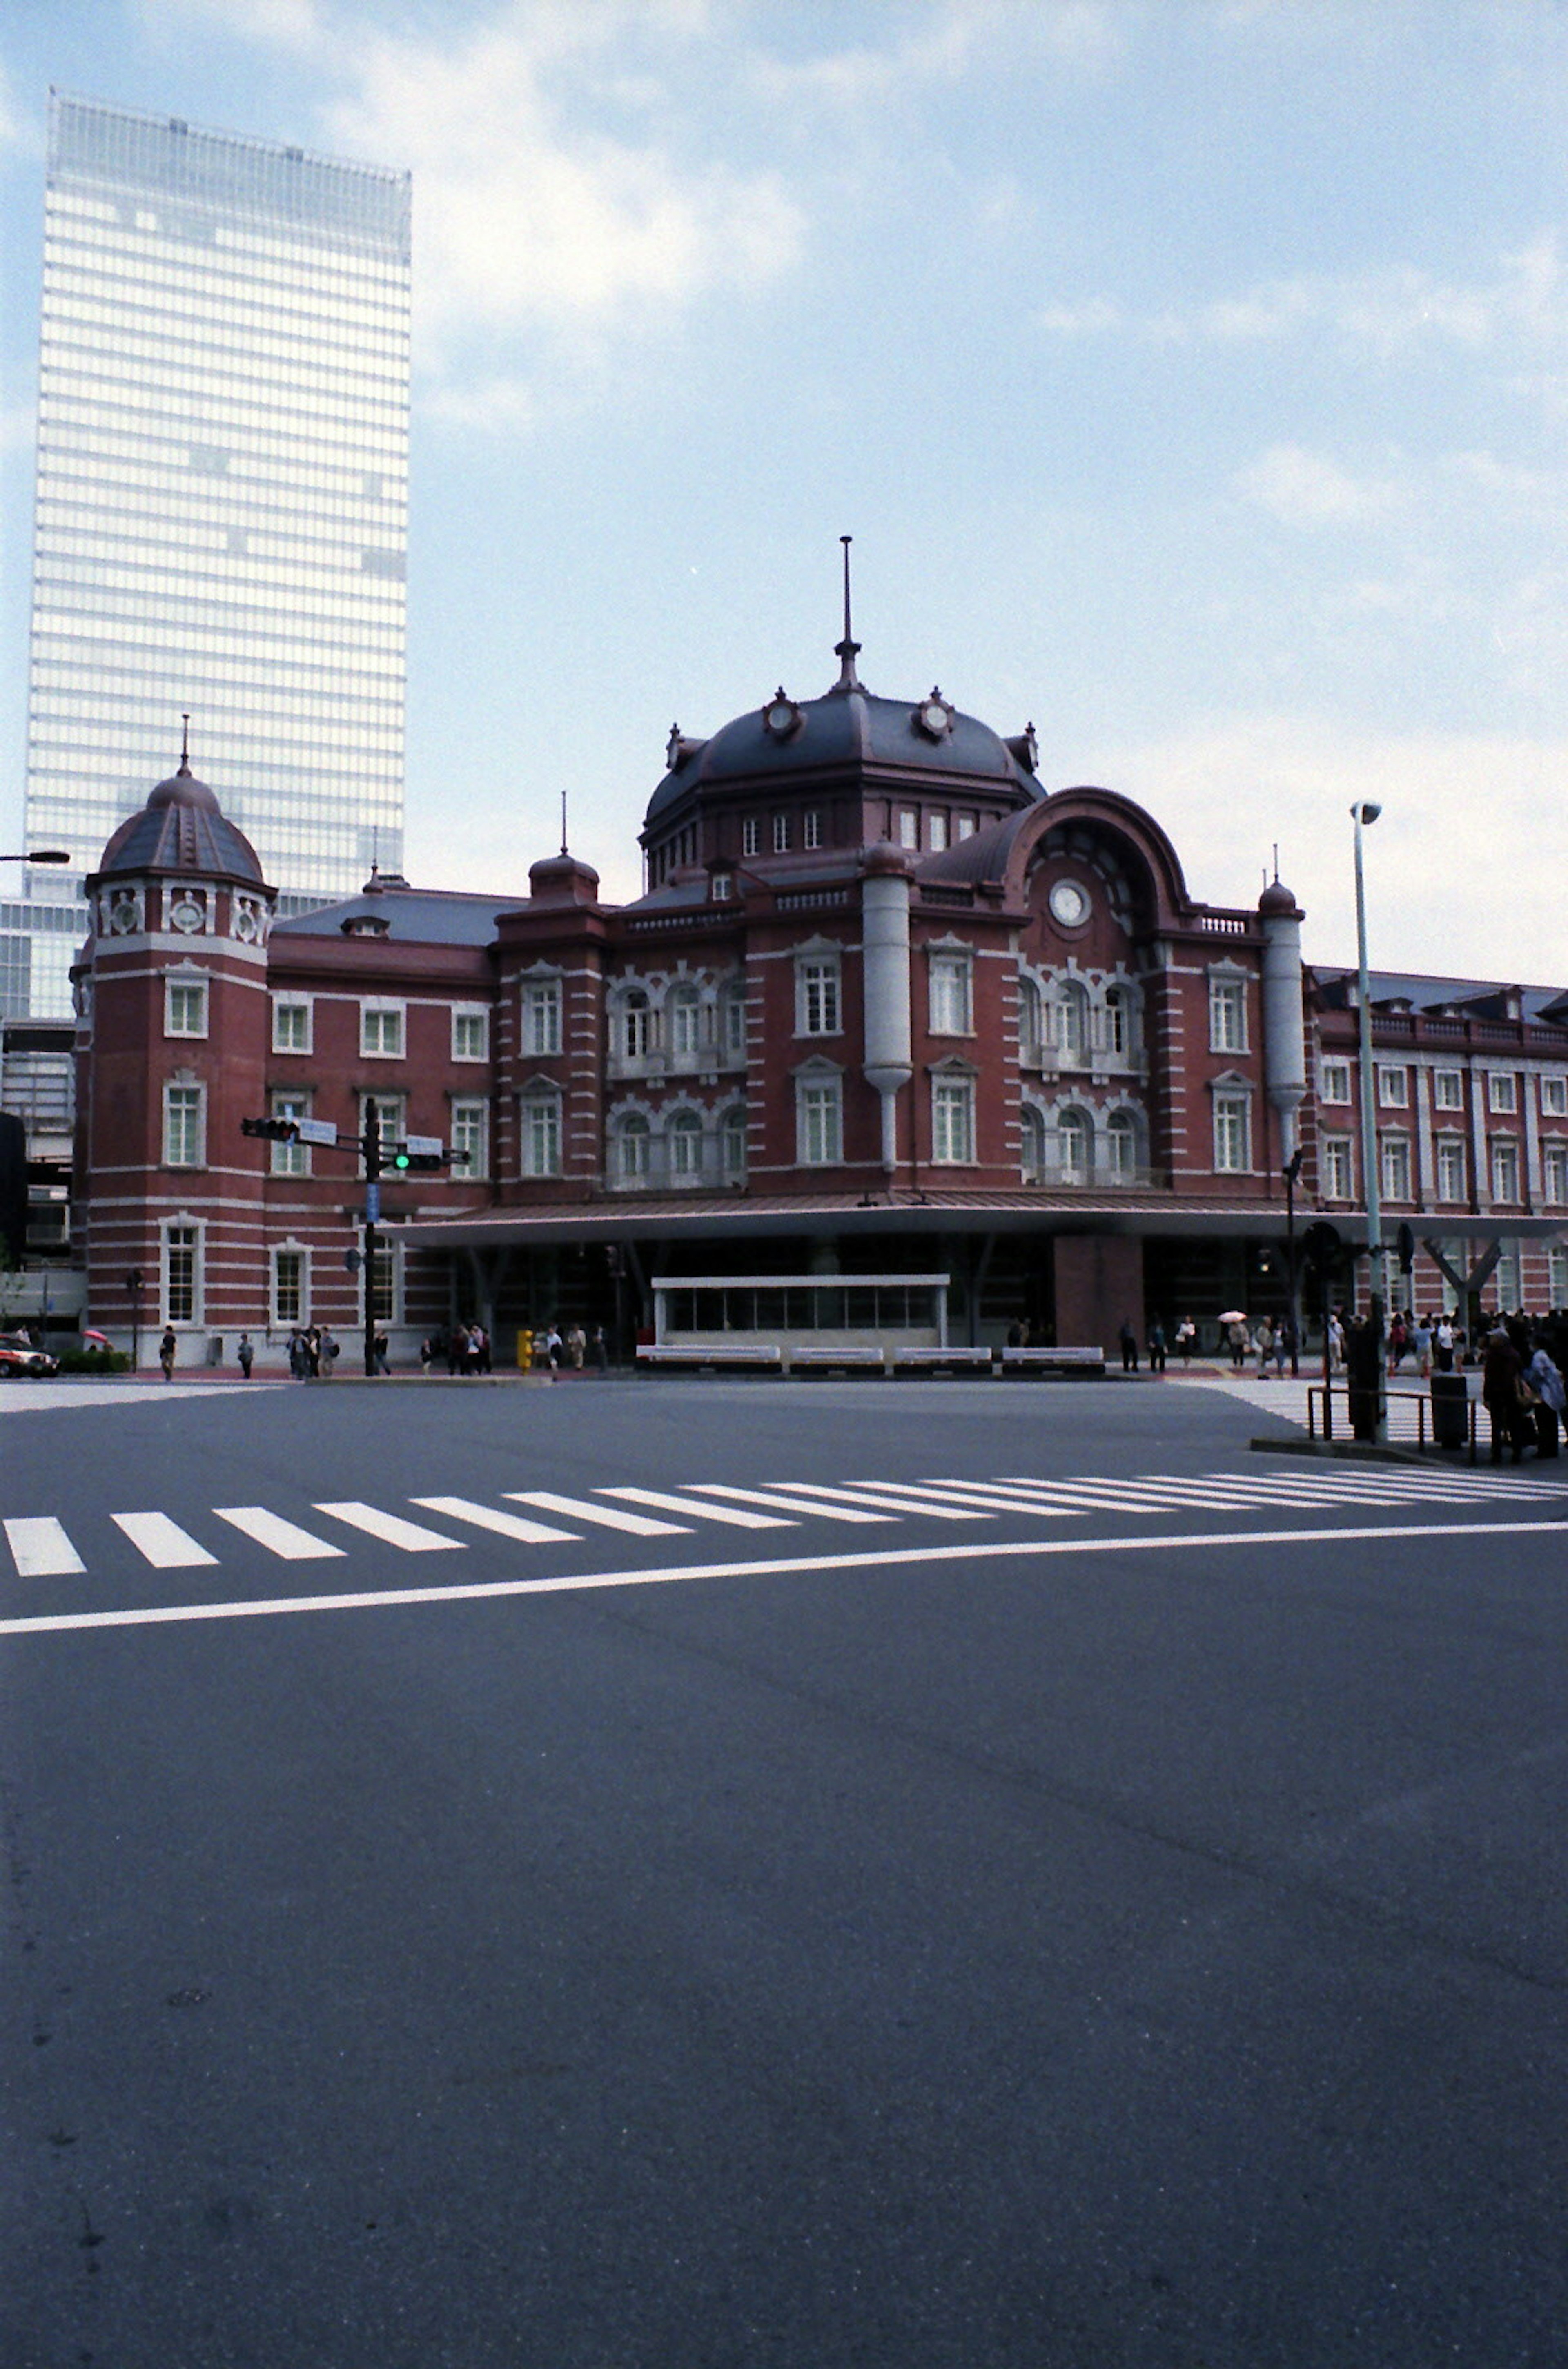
{"x":848,"y":650}
{"x":185,"y":744}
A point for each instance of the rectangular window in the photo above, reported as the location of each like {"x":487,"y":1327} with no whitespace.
{"x":389,"y":1119}
{"x":751,"y":836}
{"x":1338,"y":1171}
{"x":380,"y":1031}
{"x":781,"y":833}
{"x":1393,"y":1088}
{"x":470,"y":1033}
{"x":288,"y":1286}
{"x":936,"y":832}
{"x":1501,"y":1091}
{"x":181,"y":1293}
{"x":1555,"y":1097}
{"x":1507,"y":1280}
{"x":541,"y":1017}
{"x":965,"y":826}
{"x":1227,"y":1015}
{"x":291,"y":1158}
{"x":1554,"y":1173}
{"x":1448,"y":1090}
{"x":720,"y":887}
{"x":1396,"y":1167}
{"x":909,"y":827}
{"x":1333,"y":1081}
{"x":952,"y":1120}
{"x":1232,"y":1132}
{"x":384,"y":1286}
{"x":184,"y":1007}
{"x":813,"y":828}
{"x":1451,"y":1169}
{"x":817,"y":999}
{"x":951,"y":995}
{"x":1557,"y":1277}
{"x":182,"y":1126}
{"x":471,"y":1133}
{"x":820,"y":1139}
{"x":291,"y":1026}
{"x":541,"y":1136}
{"x":1504,"y":1168}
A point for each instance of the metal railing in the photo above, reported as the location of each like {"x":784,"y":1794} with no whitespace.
{"x":1321,"y":1396}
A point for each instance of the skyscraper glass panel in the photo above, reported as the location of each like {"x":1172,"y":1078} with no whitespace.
{"x":222,"y":505}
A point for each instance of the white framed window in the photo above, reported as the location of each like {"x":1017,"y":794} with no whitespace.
{"x":751,"y":836}
{"x":1502,"y":1091}
{"x":638,"y":1025}
{"x":1451,"y":1168}
{"x":951,"y":995}
{"x":1337,"y":1168}
{"x":965,"y":826}
{"x":1507,"y":1280}
{"x":1393,"y":1087}
{"x":1333,"y":1081}
{"x":1118,"y":1021}
{"x":382,"y":1283}
{"x":184,"y":1007}
{"x":291,"y":1284}
{"x":391,"y":1121}
{"x":1032,"y":1144}
{"x":811,"y":828}
{"x":291,"y":1158}
{"x":540,"y":1147}
{"x":471,"y":1133}
{"x":1555,"y":1097}
{"x":541,"y":1017}
{"x":1448,"y":1090}
{"x":953,"y":1121}
{"x":292,"y":1016}
{"x":185,"y":1129}
{"x":781,"y":834}
{"x":819,"y":1115}
{"x":683,"y":1022}
{"x":936,"y":832}
{"x":732,"y":1141}
{"x":1557,"y":1276}
{"x":1227,"y":1015}
{"x":1121,"y":1147}
{"x":734,"y":1010}
{"x":1395,"y":1167}
{"x":1075,"y":1146}
{"x":1031,"y":1028}
{"x":182,"y":1277}
{"x":909,"y":827}
{"x":1504,"y":1168}
{"x":721,"y":888}
{"x":1232,"y":1133}
{"x":633,"y":1139}
{"x":683,"y":1139}
{"x":1555,"y":1174}
{"x":817,"y":996}
{"x":381,"y":1032}
{"x":470,"y":1031}
{"x":1072,"y":1023}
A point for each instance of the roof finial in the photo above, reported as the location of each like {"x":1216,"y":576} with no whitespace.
{"x":563,"y":822}
{"x":1277,"y":860}
{"x":185,"y":744}
{"x":848,"y":650}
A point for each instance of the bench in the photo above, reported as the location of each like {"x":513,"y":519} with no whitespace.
{"x":1053,"y":1361}
{"x":942,"y":1361}
{"x":759,"y":1358}
{"x":865,"y":1357}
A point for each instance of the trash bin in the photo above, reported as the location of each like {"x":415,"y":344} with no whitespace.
{"x":214,"y":1348}
{"x":1450,"y":1411}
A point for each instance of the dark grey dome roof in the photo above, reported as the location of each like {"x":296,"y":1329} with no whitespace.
{"x":846,"y":729}
{"x":181,"y":828}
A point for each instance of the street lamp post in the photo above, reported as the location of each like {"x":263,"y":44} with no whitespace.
{"x":1366,"y":812}
{"x":1291,"y":1173}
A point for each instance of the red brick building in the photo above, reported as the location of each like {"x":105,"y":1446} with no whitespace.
{"x":885,"y":1009}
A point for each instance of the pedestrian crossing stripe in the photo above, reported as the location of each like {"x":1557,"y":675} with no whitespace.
{"x":41,"y":1548}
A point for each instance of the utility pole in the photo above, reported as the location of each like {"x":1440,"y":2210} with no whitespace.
{"x":370,"y":1147}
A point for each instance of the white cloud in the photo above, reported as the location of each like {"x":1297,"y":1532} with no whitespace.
{"x":497,"y":407}
{"x":292,"y":25}
{"x":937,"y":45}
{"x":1307,"y":489}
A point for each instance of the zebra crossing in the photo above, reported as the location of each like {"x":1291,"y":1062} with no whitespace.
{"x":43,"y":1546}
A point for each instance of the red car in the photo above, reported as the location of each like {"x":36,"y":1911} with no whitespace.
{"x":18,"y":1356}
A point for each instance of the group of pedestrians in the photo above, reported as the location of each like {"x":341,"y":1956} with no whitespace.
{"x":462,"y":1348}
{"x":575,"y":1348}
{"x":1522,"y":1389}
{"x":312,"y":1353}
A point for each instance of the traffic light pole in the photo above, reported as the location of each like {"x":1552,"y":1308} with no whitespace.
{"x":370,"y":1145}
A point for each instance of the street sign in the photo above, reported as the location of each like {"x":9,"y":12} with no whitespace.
{"x":373,"y":1203}
{"x":424,"y":1147}
{"x":316,"y":1130}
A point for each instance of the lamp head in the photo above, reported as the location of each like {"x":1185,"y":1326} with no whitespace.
{"x":1366,"y":811}
{"x":49,"y":855}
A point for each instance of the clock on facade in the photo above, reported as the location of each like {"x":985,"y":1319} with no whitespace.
{"x":1070,"y":903}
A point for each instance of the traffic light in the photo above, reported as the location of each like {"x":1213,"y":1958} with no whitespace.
{"x":418,"y":1163}
{"x":276,"y":1130}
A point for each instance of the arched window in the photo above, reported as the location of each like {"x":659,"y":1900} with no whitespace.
{"x":637,"y":1025}
{"x":1121,"y":1147}
{"x":1030,"y":1030}
{"x":1118,"y":1020}
{"x":1074,"y":1137}
{"x":1032,"y":1147}
{"x":1072,"y":1023}
{"x":734,"y":1016}
{"x":732,"y":1141}
{"x":631,"y":1147}
{"x":685,"y":1137}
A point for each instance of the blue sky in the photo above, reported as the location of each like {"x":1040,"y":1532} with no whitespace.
{"x":1192,"y":377}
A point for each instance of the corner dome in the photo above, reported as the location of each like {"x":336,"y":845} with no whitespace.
{"x":1277,"y":898}
{"x":181,"y":828}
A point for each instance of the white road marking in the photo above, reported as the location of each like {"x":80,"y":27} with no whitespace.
{"x":279,"y":1536}
{"x":491,"y":1517}
{"x":640,"y":1525}
{"x":412,"y":1537}
{"x":784,"y":1503}
{"x":971,"y":1554}
{"x":39,"y":1548}
{"x":732,"y":1515}
{"x":888,"y":1503}
{"x":165,"y":1544}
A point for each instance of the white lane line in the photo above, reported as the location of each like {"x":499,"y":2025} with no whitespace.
{"x":732,"y":1515}
{"x":970,"y":1554}
{"x":784,"y":1503}
{"x":39,"y":1548}
{"x":491,"y":1517}
{"x":609,"y":1517}
{"x":411,"y":1538}
{"x":890,"y":1503}
{"x":283,"y":1538}
{"x":165,"y":1544}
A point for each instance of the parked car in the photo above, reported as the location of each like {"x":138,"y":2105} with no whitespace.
{"x":18,"y":1356}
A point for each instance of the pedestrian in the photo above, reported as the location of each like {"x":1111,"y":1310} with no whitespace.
{"x":1156,"y":1347}
{"x":1545,"y":1378}
{"x":576,"y":1345}
{"x":456,"y":1348}
{"x":1129,"y":1348}
{"x":1336,"y":1341}
{"x":328,"y":1354}
{"x":247,"y":1354}
{"x":1399,"y":1340}
{"x":598,"y":1349}
{"x":167,"y":1350}
{"x":1284,"y":1341}
{"x":1443,"y":1344}
{"x":473,"y":1349}
{"x":1186,"y":1339}
{"x":1237,"y":1336}
{"x":1501,"y":1377}
{"x":1421,"y":1342}
{"x":1263,"y":1343}
{"x":426,"y":1356}
{"x":379,"y":1346}
{"x":487,"y":1345}
{"x":553,"y":1345}
{"x":312,"y":1353}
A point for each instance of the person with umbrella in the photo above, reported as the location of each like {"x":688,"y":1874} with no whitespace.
{"x":1233,"y":1324}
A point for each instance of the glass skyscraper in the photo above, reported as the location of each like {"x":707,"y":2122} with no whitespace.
{"x":222,"y":509}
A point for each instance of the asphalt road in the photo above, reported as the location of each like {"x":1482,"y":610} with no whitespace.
{"x":1115,"y":1923}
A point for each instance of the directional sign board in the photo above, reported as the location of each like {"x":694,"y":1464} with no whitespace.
{"x":316,"y":1130}
{"x":424,"y":1147}
{"x":372,"y":1201}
